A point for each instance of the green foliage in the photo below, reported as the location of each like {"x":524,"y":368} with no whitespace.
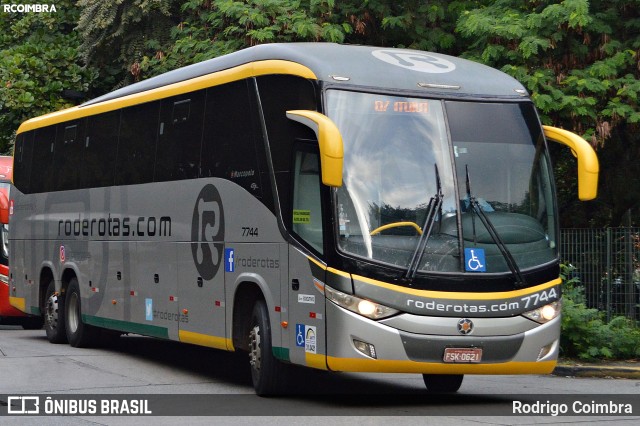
{"x":579,"y":60}
{"x":38,"y":60}
{"x":212,"y":28}
{"x":585,"y":334}
{"x":117,"y":34}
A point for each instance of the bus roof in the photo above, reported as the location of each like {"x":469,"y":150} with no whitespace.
{"x":385,"y":68}
{"x":398,"y":70}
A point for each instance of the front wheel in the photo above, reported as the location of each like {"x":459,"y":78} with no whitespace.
{"x":54,"y":315}
{"x":443,"y":383}
{"x":79,"y":334}
{"x":267,"y":373}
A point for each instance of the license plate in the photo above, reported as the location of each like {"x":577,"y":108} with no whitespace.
{"x":462,"y":355}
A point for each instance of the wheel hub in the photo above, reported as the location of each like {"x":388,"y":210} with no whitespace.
{"x":51,"y":311}
{"x":254,"y":348}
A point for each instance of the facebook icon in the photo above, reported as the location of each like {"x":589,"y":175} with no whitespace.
{"x":229,"y":263}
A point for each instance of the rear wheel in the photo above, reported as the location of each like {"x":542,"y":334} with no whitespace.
{"x":79,"y":334}
{"x":443,"y":383}
{"x":267,"y":373}
{"x":53,"y":315}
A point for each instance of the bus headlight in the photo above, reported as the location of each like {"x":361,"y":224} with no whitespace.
{"x":364,"y":307}
{"x":545,"y":313}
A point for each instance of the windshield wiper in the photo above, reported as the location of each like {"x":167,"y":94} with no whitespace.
{"x":508,"y":257}
{"x":433,"y":208}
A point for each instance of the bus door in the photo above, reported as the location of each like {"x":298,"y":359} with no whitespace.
{"x":306,"y":275}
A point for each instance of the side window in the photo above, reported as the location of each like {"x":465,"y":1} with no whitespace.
{"x":229,"y":143}
{"x":42,"y":164}
{"x":306,"y":212}
{"x":278,"y":94}
{"x":68,"y":155}
{"x":179,"y":137}
{"x":137,"y":143}
{"x":100,"y":146}
{"x":22,"y":161}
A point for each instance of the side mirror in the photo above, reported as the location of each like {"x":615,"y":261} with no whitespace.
{"x":588,"y":166}
{"x":329,"y":140}
{"x":4,"y":209}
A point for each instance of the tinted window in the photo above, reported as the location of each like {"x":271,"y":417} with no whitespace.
{"x":229,"y":144}
{"x":180,"y":134}
{"x":22,"y":161}
{"x":42,"y":164}
{"x":68,"y":155}
{"x":99,"y":150}
{"x":278,"y":94}
{"x":307,"y":208}
{"x":137,"y":143}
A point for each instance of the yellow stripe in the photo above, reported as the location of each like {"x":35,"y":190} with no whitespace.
{"x":320,"y":265}
{"x":335,"y":271}
{"x":205,"y":340}
{"x":18,"y":303}
{"x":318,"y":361}
{"x":241,"y":72}
{"x":397,"y":366}
{"x":457,"y":295}
{"x":444,"y":294}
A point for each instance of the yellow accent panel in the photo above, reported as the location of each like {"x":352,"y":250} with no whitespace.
{"x":329,"y":140}
{"x":337,"y":272}
{"x":393,"y":366}
{"x":18,"y":303}
{"x":317,"y":361}
{"x":320,"y":265}
{"x":395,"y":225}
{"x":588,"y":166}
{"x":205,"y":340}
{"x":252,"y":69}
{"x":459,"y":296}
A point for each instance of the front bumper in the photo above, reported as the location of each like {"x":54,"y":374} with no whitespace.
{"x":416,"y":344}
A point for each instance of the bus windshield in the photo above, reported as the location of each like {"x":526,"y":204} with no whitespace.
{"x":393,"y":144}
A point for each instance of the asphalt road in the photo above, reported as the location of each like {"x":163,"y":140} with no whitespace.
{"x":211,"y":386}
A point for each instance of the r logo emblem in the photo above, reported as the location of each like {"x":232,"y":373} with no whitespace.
{"x":207,"y":232}
{"x":415,"y":61}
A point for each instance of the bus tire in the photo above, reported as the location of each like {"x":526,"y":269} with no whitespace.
{"x":79,"y":334}
{"x":267,"y":372}
{"x":443,"y":383}
{"x":54,"y":315}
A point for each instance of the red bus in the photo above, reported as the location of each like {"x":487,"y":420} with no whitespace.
{"x":8,"y":314}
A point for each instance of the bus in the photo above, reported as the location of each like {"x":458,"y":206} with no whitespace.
{"x":8,"y":314}
{"x":344,"y":208}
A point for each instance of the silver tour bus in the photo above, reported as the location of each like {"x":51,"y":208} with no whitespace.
{"x":345,"y":208}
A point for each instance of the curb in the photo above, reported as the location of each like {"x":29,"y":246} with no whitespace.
{"x":603,"y":371}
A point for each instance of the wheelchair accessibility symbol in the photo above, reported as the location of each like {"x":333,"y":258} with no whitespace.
{"x":474,"y":260}
{"x":300,"y":330}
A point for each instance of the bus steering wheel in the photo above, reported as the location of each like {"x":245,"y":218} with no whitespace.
{"x":396,"y":225}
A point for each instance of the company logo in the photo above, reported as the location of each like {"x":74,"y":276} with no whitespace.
{"x":415,"y":61}
{"x":207,"y":232}
{"x":23,"y":405}
{"x":229,"y":264}
{"x":465,"y":326}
